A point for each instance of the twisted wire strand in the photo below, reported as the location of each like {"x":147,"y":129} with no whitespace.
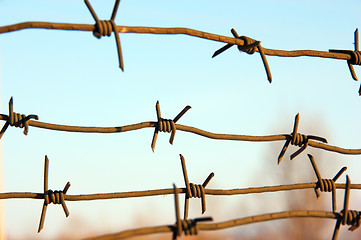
{"x":220,"y":225}
{"x":218,"y":136}
{"x":345,"y":55}
{"x":168,"y":191}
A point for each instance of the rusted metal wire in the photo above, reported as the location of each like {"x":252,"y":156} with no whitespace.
{"x":56,"y":197}
{"x":106,"y":27}
{"x":326,"y":185}
{"x":192,"y":227}
{"x":166,"y":125}
{"x":346,"y":216}
{"x":194,"y":190}
{"x":250,"y":46}
{"x":17,"y":120}
{"x":59,"y":197}
{"x":246,"y":44}
{"x":298,"y":139}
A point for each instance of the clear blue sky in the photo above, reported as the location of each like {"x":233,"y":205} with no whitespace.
{"x":72,"y":78}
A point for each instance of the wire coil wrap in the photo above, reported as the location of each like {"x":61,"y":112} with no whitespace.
{"x":355,"y":57}
{"x":55,"y":197}
{"x":17,"y":120}
{"x":103,"y":28}
{"x":246,"y":47}
{"x":166,"y":125}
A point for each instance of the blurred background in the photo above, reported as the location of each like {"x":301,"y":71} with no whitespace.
{"x":72,"y":78}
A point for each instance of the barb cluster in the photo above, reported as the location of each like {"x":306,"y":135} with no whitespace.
{"x":17,"y":120}
{"x":55,"y":197}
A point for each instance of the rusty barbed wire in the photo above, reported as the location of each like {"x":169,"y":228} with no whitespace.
{"x":326,"y":185}
{"x":17,"y":120}
{"x":55,"y":197}
{"x":250,"y":46}
{"x":244,"y":44}
{"x":190,"y":190}
{"x":346,"y":216}
{"x":194,"y":190}
{"x":166,"y":125}
{"x":192,"y":227}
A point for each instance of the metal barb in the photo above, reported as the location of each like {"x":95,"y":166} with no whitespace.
{"x":189,"y":226}
{"x":166,"y":125}
{"x":250,"y":46}
{"x":297,"y":139}
{"x":355,"y":57}
{"x":326,"y":184}
{"x":194,"y":190}
{"x":105,"y":27}
{"x":17,"y":120}
{"x":56,"y":197}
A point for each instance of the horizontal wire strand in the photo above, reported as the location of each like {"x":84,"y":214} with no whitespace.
{"x":184,"y":128}
{"x":169,"y":191}
{"x":221,"y":225}
{"x":185,"y":31}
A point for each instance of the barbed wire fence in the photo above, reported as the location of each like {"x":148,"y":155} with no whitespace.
{"x":185,"y":225}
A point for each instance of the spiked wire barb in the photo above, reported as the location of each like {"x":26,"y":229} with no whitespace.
{"x":355,"y":57}
{"x":188,"y":226}
{"x":326,"y":185}
{"x":346,"y":216}
{"x":106,"y":27}
{"x":194,"y":190}
{"x":166,"y":125}
{"x":250,"y":46}
{"x":17,"y":120}
{"x":56,"y":197}
{"x":299,"y":140}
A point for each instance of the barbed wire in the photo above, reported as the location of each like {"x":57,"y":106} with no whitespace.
{"x":244,"y":44}
{"x":167,"y":125}
{"x":190,"y":190}
{"x":192,"y":227}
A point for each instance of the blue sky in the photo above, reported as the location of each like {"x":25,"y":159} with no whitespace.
{"x":72,"y":78}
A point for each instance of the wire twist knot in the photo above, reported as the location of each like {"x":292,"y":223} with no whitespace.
{"x":197,"y":191}
{"x":326,"y":185}
{"x":166,"y":125}
{"x":189,"y":227}
{"x":297,"y":139}
{"x":55,"y":197}
{"x":355,"y":57}
{"x":352,"y":219}
{"x":17,"y":120}
{"x":103,"y":28}
{"x":250,"y":45}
